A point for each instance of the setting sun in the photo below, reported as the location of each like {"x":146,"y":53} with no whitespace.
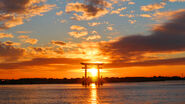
{"x":93,"y":72}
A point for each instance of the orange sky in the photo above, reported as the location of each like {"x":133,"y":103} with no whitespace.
{"x":50,"y":38}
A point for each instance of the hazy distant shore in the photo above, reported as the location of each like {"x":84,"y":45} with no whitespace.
{"x":79,"y":80}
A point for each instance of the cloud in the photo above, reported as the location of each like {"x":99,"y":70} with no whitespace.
{"x":132,"y":21}
{"x":131,"y":3}
{"x":94,"y":24}
{"x":10,"y":43}
{"x":165,"y":38}
{"x":127,"y":15}
{"x":93,"y":37}
{"x":94,"y":32}
{"x":152,"y":7}
{"x":118,"y":10}
{"x":27,"y":39}
{"x":60,"y":43}
{"x":23,"y":32}
{"x":166,"y":14}
{"x":59,"y":13}
{"x":9,"y":52}
{"x":110,"y":28}
{"x":80,"y":31}
{"x":176,"y":0}
{"x":90,"y":9}
{"x":78,"y":34}
{"x":6,"y":35}
{"x":63,"y":21}
{"x":46,"y":52}
{"x":78,"y":28}
{"x":173,"y":61}
{"x":49,"y":62}
{"x":14,"y":12}
{"x":145,"y":15}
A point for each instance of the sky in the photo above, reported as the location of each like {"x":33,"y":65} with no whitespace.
{"x":50,"y":38}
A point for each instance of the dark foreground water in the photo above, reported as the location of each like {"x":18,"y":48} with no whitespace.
{"x":168,"y":92}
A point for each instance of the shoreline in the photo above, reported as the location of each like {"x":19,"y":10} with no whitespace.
{"x":31,"y":81}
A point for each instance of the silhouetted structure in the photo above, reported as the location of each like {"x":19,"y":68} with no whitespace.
{"x":80,"y":80}
{"x":87,"y":81}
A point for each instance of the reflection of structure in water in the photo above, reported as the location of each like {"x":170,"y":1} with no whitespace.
{"x":97,"y":80}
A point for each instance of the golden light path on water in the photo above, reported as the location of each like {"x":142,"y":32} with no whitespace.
{"x":94,"y":98}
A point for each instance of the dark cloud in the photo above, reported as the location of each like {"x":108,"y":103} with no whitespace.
{"x":60,"y":43}
{"x":168,"y":37}
{"x":13,"y":12}
{"x":13,"y":5}
{"x":174,"y":61}
{"x":9,"y":52}
{"x":49,"y":62}
{"x":90,"y":9}
{"x":93,"y":5}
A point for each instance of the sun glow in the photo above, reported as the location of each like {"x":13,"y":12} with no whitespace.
{"x":93,"y":72}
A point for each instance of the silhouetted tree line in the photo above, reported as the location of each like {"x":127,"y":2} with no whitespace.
{"x":79,"y":80}
{"x":141,"y":79}
{"x":41,"y":81}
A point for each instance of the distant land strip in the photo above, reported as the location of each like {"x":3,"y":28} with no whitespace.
{"x":79,"y":80}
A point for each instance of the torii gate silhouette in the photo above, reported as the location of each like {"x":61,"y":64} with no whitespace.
{"x":86,"y":81}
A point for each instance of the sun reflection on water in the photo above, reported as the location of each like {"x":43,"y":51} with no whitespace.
{"x":94,"y":97}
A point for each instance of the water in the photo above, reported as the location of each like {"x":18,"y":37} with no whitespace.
{"x":168,"y":92}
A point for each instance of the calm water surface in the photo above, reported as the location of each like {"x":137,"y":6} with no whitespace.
{"x":168,"y":92}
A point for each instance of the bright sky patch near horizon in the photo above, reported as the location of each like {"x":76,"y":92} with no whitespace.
{"x":50,"y":38}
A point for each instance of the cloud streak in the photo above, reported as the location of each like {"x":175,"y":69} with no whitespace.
{"x":27,"y":39}
{"x":152,"y":7}
{"x":6,"y":35}
{"x":174,"y":61}
{"x":50,"y":62}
